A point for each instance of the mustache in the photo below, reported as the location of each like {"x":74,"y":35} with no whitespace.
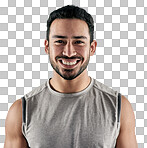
{"x":65,"y":57}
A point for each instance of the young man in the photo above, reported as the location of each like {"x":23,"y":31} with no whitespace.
{"x":71,"y":109}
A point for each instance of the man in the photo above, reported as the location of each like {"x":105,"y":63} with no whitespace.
{"x":71,"y":109}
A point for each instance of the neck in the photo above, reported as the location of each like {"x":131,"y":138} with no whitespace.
{"x":78,"y":84}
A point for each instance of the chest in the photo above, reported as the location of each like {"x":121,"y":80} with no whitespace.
{"x":74,"y":126}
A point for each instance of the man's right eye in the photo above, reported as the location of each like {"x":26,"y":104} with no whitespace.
{"x":59,"y":41}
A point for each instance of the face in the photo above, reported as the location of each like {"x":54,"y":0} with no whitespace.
{"x":69,"y":47}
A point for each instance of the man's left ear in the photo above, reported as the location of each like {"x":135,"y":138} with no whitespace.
{"x":93,"y":47}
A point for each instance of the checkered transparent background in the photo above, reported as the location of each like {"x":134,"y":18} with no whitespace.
{"x":120,"y":60}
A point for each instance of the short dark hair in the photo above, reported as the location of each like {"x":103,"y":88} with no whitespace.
{"x":71,"y":12}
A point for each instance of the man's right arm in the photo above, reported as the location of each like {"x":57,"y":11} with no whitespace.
{"x":13,"y":127}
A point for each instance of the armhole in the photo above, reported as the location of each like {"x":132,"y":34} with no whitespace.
{"x":24,"y":119}
{"x":23,"y":110}
{"x":118,"y":115}
{"x":119,"y":106}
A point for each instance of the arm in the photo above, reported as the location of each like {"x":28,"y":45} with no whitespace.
{"x":14,"y":137}
{"x":126,"y":138}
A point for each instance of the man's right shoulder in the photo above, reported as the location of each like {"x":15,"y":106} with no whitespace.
{"x":36,"y":90}
{"x":13,"y":127}
{"x":16,"y":107}
{"x":14,"y":116}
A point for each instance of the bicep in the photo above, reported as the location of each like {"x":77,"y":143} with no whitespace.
{"x":127,"y":138}
{"x":14,"y":137}
{"x":16,"y":142}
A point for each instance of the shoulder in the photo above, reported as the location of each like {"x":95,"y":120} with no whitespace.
{"x":36,"y":90}
{"x":13,"y":127}
{"x":127,"y":120}
{"x":104,"y":88}
{"x":14,"y":117}
{"x":15,"y":109}
{"x":126,"y":138}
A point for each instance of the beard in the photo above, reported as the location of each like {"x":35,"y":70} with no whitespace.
{"x":70,"y":74}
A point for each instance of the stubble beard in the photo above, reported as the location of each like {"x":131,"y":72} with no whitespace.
{"x":69,"y":74}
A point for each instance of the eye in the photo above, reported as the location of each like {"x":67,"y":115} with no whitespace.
{"x":79,"y":42}
{"x":59,"y":42}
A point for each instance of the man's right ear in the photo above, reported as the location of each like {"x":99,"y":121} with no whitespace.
{"x":46,"y":46}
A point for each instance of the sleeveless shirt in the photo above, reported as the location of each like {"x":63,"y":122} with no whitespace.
{"x":86,"y":119}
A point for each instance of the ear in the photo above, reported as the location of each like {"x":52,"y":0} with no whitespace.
{"x":93,"y":47}
{"x":46,"y":46}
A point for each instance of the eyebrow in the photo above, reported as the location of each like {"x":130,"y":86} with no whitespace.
{"x":65,"y":37}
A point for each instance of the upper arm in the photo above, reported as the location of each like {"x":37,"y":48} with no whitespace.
{"x":14,"y":137}
{"x":126,"y":138}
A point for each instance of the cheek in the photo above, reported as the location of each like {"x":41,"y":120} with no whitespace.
{"x":84,"y":52}
{"x":54,"y":50}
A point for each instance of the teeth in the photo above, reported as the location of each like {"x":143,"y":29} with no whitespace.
{"x":69,"y":63}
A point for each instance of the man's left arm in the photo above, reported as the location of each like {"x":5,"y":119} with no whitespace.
{"x":126,"y":138}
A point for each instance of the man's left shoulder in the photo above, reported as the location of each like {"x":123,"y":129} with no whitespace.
{"x":126,"y":138}
{"x":105,"y":88}
{"x":127,"y":113}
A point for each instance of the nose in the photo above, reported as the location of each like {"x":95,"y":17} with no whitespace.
{"x":69,"y":50}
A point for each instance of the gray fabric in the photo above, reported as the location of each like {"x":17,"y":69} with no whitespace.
{"x":87,"y":119}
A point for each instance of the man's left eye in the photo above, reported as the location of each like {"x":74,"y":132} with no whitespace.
{"x":79,"y":42}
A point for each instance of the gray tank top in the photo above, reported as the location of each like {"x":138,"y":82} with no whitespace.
{"x":86,"y":119}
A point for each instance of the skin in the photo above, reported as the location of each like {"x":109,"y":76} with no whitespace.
{"x":14,"y":137}
{"x":77,"y":79}
{"x":126,"y":138}
{"x":69,"y":80}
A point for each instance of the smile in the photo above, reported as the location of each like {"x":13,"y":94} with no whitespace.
{"x":67,"y":64}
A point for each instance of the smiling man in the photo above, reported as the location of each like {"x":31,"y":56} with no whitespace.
{"x":71,"y":109}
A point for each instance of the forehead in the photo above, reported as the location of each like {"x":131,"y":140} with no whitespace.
{"x":69,"y":27}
